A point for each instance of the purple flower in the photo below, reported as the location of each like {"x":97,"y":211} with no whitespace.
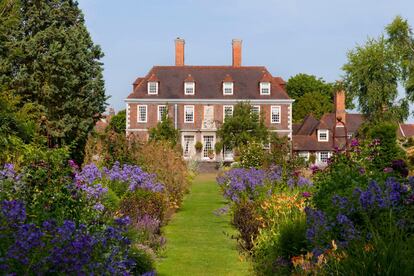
{"x":354,"y":143}
{"x":99,"y":207}
{"x":123,"y":221}
{"x":388,"y":170}
{"x":306,"y":194}
{"x":14,"y":211}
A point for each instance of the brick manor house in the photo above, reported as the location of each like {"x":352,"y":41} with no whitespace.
{"x":199,"y":98}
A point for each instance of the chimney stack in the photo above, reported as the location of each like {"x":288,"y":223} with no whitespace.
{"x":179,"y":51}
{"x":340,"y":112}
{"x":237,"y":52}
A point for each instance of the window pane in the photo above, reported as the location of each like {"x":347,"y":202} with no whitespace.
{"x":142,"y":113}
{"x":275,"y":114}
{"x":189,"y":114}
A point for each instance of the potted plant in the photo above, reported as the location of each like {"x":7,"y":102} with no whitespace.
{"x":210,"y":153}
{"x":198,"y":146}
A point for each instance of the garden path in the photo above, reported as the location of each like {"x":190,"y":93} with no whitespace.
{"x":198,"y":241}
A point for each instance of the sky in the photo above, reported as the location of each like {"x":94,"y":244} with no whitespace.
{"x":288,"y":37}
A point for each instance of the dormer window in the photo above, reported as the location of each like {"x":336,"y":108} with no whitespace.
{"x":265,"y":88}
{"x":189,"y":88}
{"x":227,"y":88}
{"x":323,"y":135}
{"x":152,"y":88}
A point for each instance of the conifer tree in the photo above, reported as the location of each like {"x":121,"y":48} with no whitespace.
{"x":52,"y":62}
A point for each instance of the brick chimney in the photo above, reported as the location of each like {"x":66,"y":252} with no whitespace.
{"x":237,"y":52}
{"x":340,"y":112}
{"x":179,"y":51}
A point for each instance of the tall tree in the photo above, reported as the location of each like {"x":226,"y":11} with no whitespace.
{"x":312,"y":96}
{"x":164,"y":131}
{"x":243,"y":127}
{"x":53,"y":63}
{"x":375,"y":70}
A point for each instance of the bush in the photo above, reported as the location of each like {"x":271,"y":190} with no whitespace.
{"x":143,"y":258}
{"x":136,"y":204}
{"x":252,"y":155}
{"x":245,"y":219}
{"x":157,"y":158}
{"x":282,"y":234}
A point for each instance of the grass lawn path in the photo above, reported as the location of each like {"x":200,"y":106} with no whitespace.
{"x":197,"y":239}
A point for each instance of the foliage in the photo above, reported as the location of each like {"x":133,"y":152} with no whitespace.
{"x":198,"y":146}
{"x":50,"y":60}
{"x":157,"y":158}
{"x":252,"y":155}
{"x":386,"y":134}
{"x":300,"y":84}
{"x":400,"y":37}
{"x":314,"y":103}
{"x":65,"y":248}
{"x":312,"y":96}
{"x":375,"y":70}
{"x":282,"y":233}
{"x":54,"y":221}
{"x":164,"y":131}
{"x":251,"y":192}
{"x":245,"y":219}
{"x":243,"y":127}
{"x":118,"y":122}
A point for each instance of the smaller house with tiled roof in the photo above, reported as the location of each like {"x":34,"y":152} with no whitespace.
{"x":321,"y":137}
{"x":199,"y":98}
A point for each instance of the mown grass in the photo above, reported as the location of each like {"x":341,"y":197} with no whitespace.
{"x":198,"y":241}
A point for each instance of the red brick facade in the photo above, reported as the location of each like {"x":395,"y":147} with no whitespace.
{"x":166,"y":85}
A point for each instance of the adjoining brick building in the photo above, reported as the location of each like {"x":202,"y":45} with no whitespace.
{"x":320,"y":137}
{"x":198,"y":98}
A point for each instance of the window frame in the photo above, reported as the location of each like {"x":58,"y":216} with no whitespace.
{"x":224,"y":111}
{"x":159,"y":115}
{"x":139,"y":113}
{"x":328,"y":156}
{"x":188,"y":154}
{"x":278,"y":107}
{"x":323,"y":131}
{"x":185,"y":113}
{"x":189,"y":84}
{"x":228,"y":85}
{"x":149,"y":88}
{"x":263,"y":86}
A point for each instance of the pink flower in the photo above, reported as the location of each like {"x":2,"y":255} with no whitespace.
{"x":388,"y":170}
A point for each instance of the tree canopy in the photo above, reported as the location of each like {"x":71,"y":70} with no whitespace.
{"x":48,"y":59}
{"x":375,"y":70}
{"x":243,"y":127}
{"x":312,"y":96}
{"x":118,"y":122}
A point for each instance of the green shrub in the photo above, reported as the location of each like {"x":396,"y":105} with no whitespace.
{"x":111,"y":201}
{"x":144,"y":259}
{"x":252,"y":155}
{"x":274,"y":248}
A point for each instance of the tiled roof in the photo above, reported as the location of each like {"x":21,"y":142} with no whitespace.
{"x":209,"y":81}
{"x":406,"y":130}
{"x":352,"y":122}
{"x":305,"y":137}
{"x":307,"y":127}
